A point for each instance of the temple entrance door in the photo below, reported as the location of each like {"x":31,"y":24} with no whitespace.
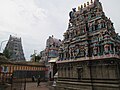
{"x":79,"y":71}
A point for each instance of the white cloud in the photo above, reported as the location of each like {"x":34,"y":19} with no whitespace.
{"x":19,"y":17}
{"x":20,"y":14}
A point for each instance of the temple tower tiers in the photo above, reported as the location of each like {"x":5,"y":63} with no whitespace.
{"x":89,"y":57}
{"x":14,"y":48}
{"x":51,"y":50}
{"x":90,"y":34}
{"x":50,"y":53}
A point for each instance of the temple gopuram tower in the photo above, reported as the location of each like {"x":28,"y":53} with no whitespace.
{"x":14,"y":49}
{"x":89,"y":57}
{"x":50,"y":54}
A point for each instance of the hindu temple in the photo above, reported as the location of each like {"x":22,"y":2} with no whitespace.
{"x":89,"y":56}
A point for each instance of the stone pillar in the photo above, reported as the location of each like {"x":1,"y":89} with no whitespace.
{"x":67,"y":71}
{"x":70,"y":70}
{"x":65,"y":55}
{"x":114,"y":49}
{"x":110,"y":47}
{"x":95,"y":50}
{"x":62,"y":71}
{"x":52,"y":64}
{"x":86,"y":51}
{"x":106,"y":48}
{"x":70,"y":53}
{"x":98,"y":51}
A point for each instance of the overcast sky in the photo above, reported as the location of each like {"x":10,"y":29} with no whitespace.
{"x":35,"y":20}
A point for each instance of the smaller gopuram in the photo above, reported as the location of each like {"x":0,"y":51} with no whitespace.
{"x":52,"y":47}
{"x":89,"y":57}
{"x":49,"y":54}
{"x":51,"y":50}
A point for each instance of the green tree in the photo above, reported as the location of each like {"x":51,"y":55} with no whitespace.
{"x":6,"y":53}
{"x":35,"y":58}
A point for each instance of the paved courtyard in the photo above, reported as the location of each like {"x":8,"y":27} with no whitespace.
{"x":33,"y":86}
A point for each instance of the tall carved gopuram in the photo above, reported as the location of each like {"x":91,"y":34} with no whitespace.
{"x":89,"y":57}
{"x":14,"y":49}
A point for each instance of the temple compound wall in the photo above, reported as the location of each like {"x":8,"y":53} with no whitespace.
{"x":90,"y":52}
{"x":20,"y":70}
{"x":89,"y":75}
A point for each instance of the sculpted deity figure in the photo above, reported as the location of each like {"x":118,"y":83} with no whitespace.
{"x":89,"y":16}
{"x":61,"y":54}
{"x":74,"y":53}
{"x":79,"y":8}
{"x":84,"y":4}
{"x":70,"y":53}
{"x":93,"y":26}
{"x":71,"y":14}
{"x":99,"y":25}
{"x":95,"y":50}
{"x":106,"y":47}
{"x":91,"y":1}
{"x":90,"y":27}
{"x":77,"y":51}
{"x":99,"y":6}
{"x":74,"y":32}
{"x":88,"y":3}
{"x":86,"y":51}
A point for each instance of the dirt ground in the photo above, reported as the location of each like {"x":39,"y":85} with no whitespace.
{"x":33,"y":86}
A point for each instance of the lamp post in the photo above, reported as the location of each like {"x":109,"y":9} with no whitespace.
{"x":35,"y":55}
{"x":1,"y":45}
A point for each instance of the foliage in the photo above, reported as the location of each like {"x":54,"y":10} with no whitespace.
{"x":35,"y":58}
{"x":7,"y":53}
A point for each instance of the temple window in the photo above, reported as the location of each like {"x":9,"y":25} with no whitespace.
{"x":112,"y":46}
{"x":69,"y":72}
{"x":89,"y":16}
{"x":107,"y":48}
{"x":100,"y":37}
{"x":95,"y":39}
{"x":95,"y":50}
{"x":78,"y":33}
{"x":79,"y":71}
{"x":78,"y":51}
{"x":82,"y":52}
{"x":96,"y":27}
{"x":90,"y":28}
{"x":50,"y":45}
{"x":83,"y":30}
{"x":64,"y":72}
{"x":101,"y":49}
{"x":103,"y":25}
{"x":99,"y":26}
